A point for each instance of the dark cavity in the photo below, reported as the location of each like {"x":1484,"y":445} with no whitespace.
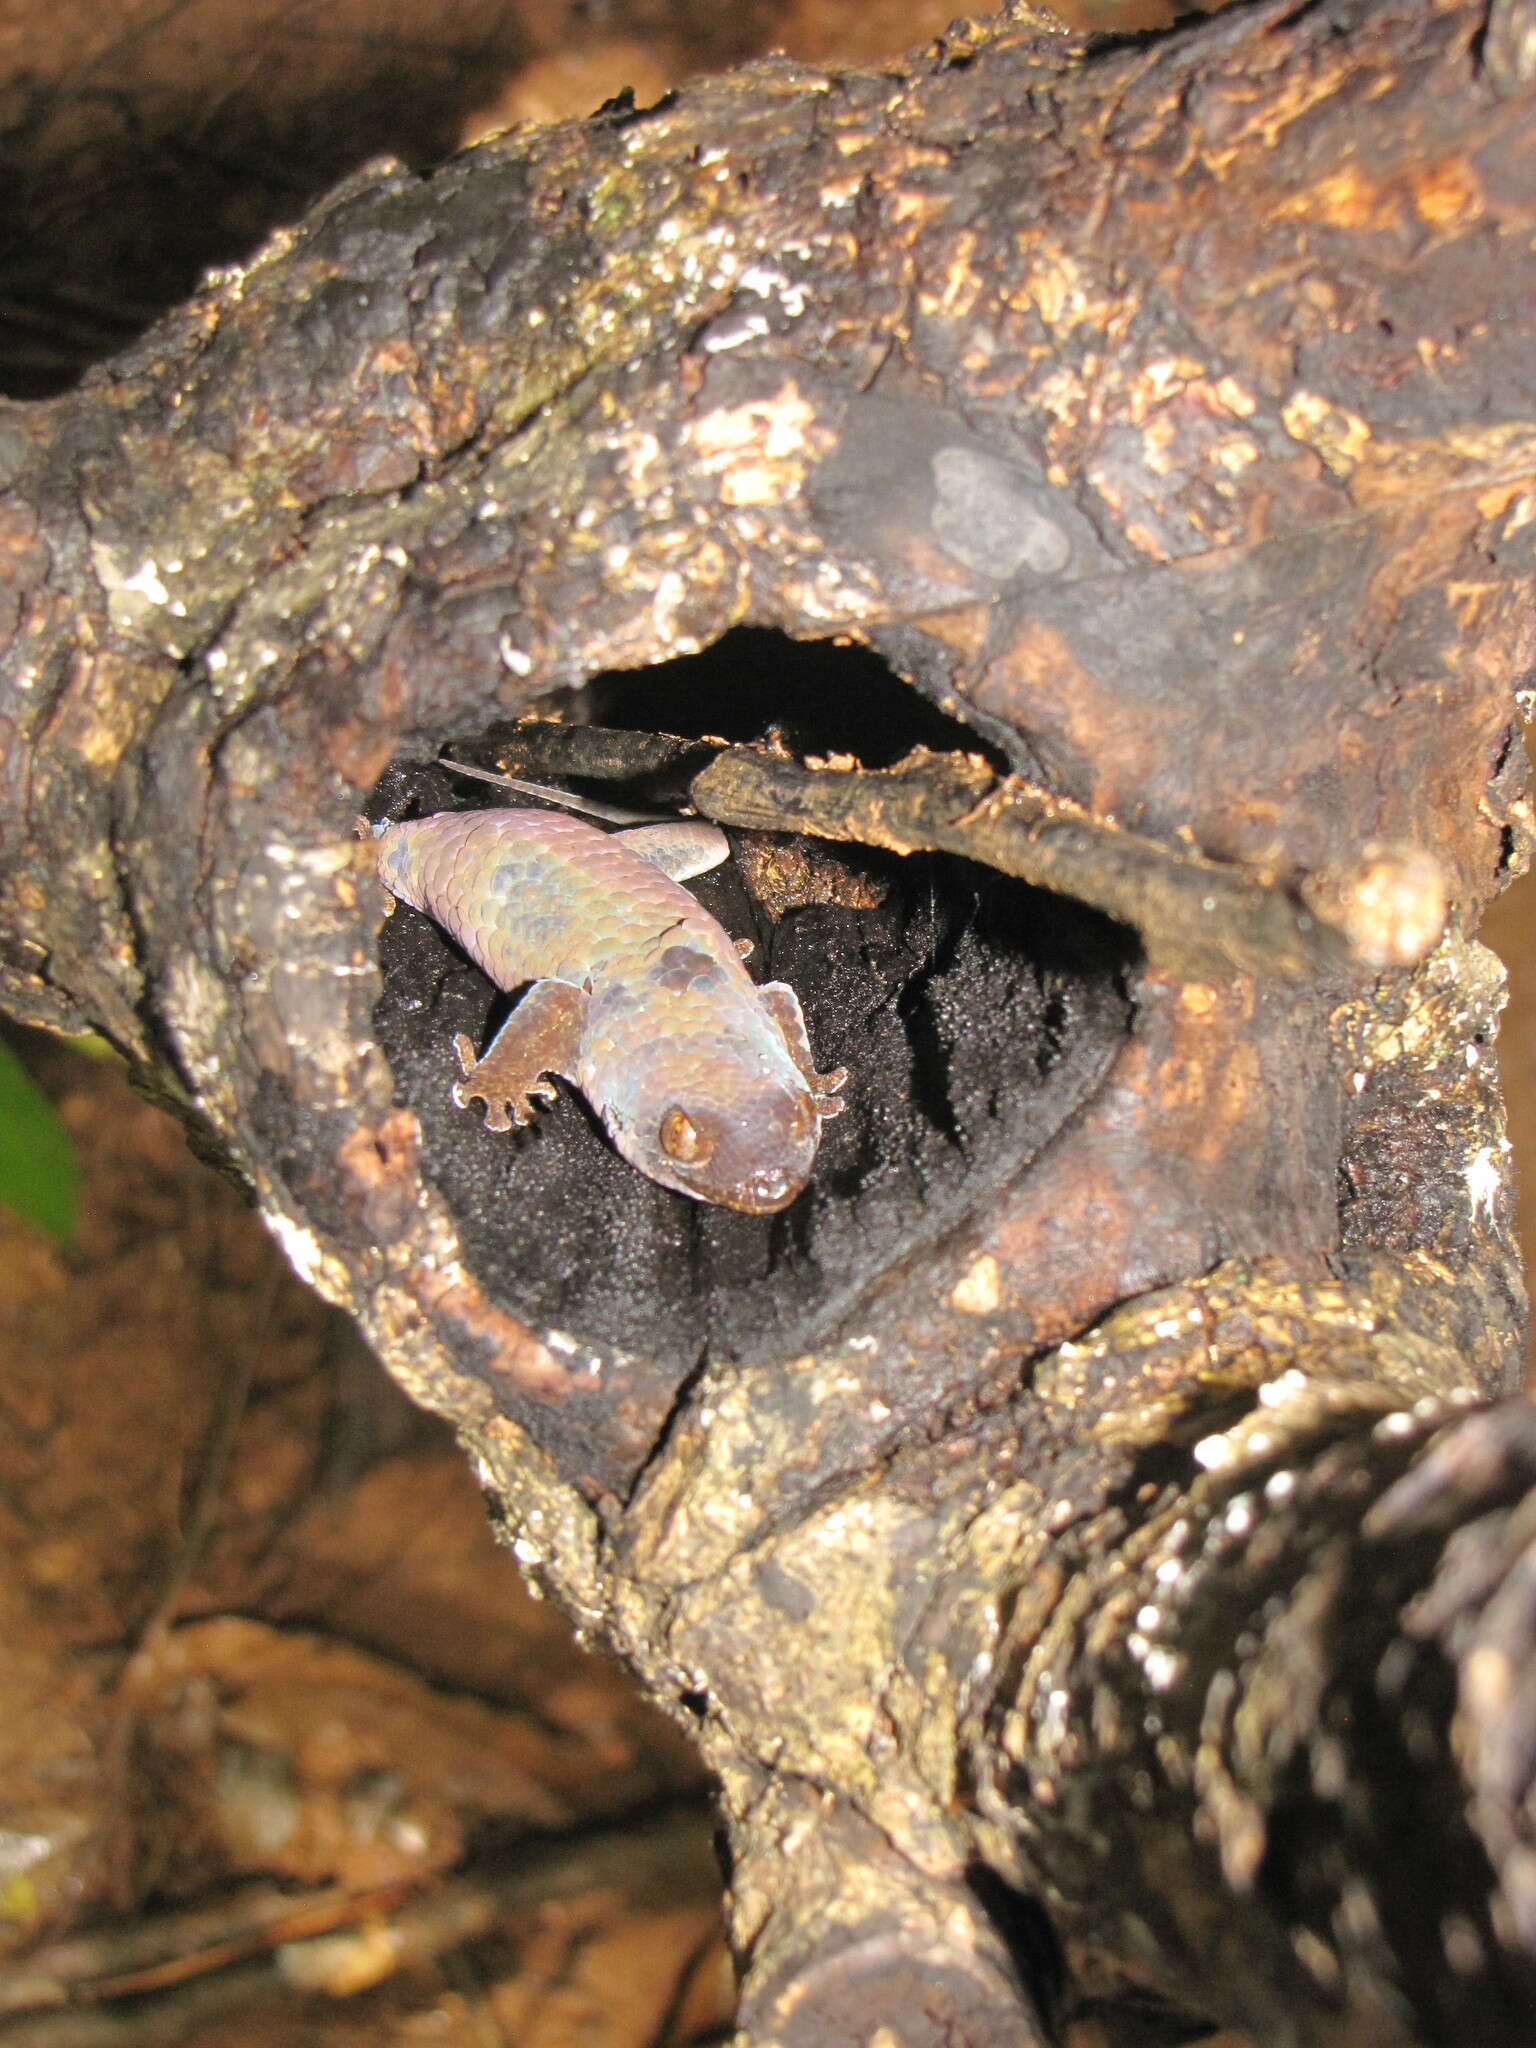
{"x":974,"y":1014}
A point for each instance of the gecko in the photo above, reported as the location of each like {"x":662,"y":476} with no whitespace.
{"x":703,"y":1079}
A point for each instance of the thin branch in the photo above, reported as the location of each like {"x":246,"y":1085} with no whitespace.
{"x":668,"y":1859}
{"x":1197,"y":918}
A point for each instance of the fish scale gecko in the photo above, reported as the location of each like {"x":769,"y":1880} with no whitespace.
{"x":704,"y":1079}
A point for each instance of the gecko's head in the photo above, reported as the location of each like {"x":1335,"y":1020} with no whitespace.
{"x":747,"y":1146}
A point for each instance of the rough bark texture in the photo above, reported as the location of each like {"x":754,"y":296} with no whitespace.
{"x":1072,"y":1489}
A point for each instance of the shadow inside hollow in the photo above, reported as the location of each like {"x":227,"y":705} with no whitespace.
{"x":973,"y":1015}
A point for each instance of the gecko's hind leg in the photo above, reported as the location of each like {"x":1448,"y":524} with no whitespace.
{"x":783,"y":1006}
{"x":541,"y":1037}
{"x":680,"y":847}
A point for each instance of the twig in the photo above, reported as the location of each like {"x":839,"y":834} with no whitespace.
{"x":1197,"y":918}
{"x":665,"y":1859}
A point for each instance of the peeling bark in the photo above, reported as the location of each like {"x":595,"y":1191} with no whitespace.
{"x":1074,"y":1489}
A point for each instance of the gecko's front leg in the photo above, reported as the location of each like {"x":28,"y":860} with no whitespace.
{"x":783,"y":1006}
{"x":541,"y":1037}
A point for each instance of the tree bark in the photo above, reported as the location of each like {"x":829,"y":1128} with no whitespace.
{"x":1075,"y":1492}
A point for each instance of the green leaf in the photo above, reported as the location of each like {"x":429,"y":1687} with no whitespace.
{"x":38,"y":1175}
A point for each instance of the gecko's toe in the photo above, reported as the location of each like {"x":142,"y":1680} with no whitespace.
{"x":833,"y":1083}
{"x":496,"y":1117}
{"x":828,"y":1106}
{"x":502,"y":1112}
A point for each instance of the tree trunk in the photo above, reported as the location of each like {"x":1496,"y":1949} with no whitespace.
{"x":1071,"y":1497}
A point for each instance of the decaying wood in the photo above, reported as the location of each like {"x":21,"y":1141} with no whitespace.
{"x":1076,"y":1490}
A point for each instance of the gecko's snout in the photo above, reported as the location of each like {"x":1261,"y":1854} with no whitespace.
{"x":764,"y":1164}
{"x":751,"y":1149}
{"x":768,"y":1191}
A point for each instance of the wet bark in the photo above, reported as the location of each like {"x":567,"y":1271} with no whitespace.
{"x":1073,"y":1494}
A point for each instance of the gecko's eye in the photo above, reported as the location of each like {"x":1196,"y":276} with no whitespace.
{"x":681,"y":1138}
